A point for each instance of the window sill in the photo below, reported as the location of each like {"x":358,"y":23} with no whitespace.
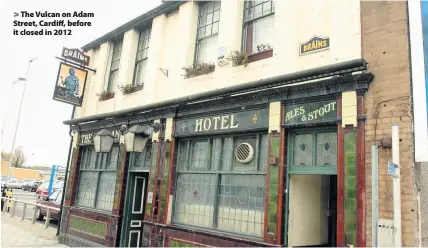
{"x":94,"y":210}
{"x":107,"y":97}
{"x":251,"y":240}
{"x":260,"y":55}
{"x":134,"y":89}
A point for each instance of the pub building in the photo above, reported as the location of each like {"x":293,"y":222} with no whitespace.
{"x":268,"y":168}
{"x":273,"y":154}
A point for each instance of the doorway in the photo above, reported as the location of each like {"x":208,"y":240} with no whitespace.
{"x":312,"y":210}
{"x":311,"y":200}
{"x":134,"y":209}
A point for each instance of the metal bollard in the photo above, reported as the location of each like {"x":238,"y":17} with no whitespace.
{"x":23,"y":211}
{"x":48,"y":217}
{"x":13,"y":208}
{"x":34,"y":215}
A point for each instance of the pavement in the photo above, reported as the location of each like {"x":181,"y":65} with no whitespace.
{"x":22,"y":233}
{"x":14,"y":234}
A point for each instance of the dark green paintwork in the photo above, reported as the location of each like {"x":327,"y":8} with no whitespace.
{"x":302,"y":113}
{"x":93,"y":228}
{"x":350,"y":188}
{"x":246,"y":120}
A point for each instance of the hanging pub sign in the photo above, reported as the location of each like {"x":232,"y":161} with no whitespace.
{"x":70,"y":84}
{"x":315,"y":44}
{"x":230,"y":122}
{"x":314,"y":112}
{"x":75,"y":55}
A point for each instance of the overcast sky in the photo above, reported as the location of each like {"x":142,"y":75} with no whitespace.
{"x":41,"y":133}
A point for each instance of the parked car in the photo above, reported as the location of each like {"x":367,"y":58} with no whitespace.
{"x":53,"y":200}
{"x":14,"y":184}
{"x":42,"y":190}
{"x":27,"y":182}
{"x":32,"y":186}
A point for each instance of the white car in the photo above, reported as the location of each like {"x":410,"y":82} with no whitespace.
{"x":15,"y":184}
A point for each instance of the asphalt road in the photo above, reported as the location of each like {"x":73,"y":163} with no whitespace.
{"x":27,"y":196}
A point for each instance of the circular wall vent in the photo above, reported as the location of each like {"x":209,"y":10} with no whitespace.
{"x":244,"y":153}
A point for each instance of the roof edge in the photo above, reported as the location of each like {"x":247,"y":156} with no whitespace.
{"x":165,"y":7}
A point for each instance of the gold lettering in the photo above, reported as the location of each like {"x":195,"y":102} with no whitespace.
{"x":319,"y":110}
{"x":327,"y":108}
{"x":198,"y":127}
{"x":288,"y":116}
{"x":216,"y":119}
{"x":309,"y":47}
{"x":302,"y":110}
{"x":224,"y":120}
{"x":305,"y":48}
{"x":232,"y":118}
{"x":324,"y":43}
{"x":310,"y":116}
{"x":207,"y":121}
{"x":334,"y":104}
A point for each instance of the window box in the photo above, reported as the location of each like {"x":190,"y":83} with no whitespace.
{"x":200,"y":69}
{"x":129,"y":88}
{"x":105,"y":95}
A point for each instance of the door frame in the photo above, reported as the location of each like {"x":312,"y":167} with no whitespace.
{"x":315,"y":171}
{"x":127,"y":209}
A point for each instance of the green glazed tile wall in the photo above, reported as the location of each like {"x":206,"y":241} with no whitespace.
{"x":93,"y":228}
{"x":176,"y":243}
{"x":164,"y":183}
{"x":350,"y":188}
{"x":273,"y":187}
{"x":152,"y":179}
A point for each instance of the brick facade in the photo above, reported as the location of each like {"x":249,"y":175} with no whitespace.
{"x":385,"y":47}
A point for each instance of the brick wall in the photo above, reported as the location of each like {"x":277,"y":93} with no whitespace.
{"x":385,"y":47}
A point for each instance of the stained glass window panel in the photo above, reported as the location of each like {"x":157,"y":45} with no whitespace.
{"x":302,"y":150}
{"x":326,"y":149}
{"x":241,"y":204}
{"x":194,"y":203}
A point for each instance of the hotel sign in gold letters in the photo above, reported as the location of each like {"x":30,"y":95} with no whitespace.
{"x":228,"y":122}
{"x":315,"y":44}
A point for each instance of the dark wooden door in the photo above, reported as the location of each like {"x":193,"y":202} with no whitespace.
{"x":134,"y":210}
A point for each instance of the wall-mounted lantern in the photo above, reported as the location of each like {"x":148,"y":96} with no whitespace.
{"x":103,"y":141}
{"x":137,"y":136}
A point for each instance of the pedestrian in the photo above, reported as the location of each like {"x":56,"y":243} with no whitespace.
{"x":3,"y":194}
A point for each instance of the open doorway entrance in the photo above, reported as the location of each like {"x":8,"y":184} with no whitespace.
{"x":312,"y":210}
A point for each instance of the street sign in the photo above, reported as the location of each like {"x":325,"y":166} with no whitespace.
{"x":392,"y":169}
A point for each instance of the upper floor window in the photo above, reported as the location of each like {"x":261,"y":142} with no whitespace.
{"x":258,"y":26}
{"x":141,"y":59}
{"x":208,"y":26}
{"x":114,"y":68}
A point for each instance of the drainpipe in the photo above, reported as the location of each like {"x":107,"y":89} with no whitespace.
{"x":65,"y":176}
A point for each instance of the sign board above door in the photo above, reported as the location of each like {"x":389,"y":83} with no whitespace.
{"x":307,"y":113}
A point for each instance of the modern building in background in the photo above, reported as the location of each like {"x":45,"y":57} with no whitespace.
{"x":267,"y":111}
